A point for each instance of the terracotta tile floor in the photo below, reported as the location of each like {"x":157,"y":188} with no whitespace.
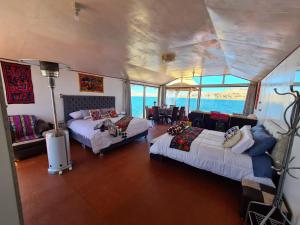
{"x":125,"y":187}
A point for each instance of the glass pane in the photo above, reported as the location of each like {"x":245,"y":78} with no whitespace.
{"x":212,"y":79}
{"x":170,"y":97}
{"x":151,"y":96}
{"x":224,"y":99}
{"x":230,"y":79}
{"x":137,"y":92}
{"x":193,"y":100}
{"x":297,"y":76}
{"x":185,"y":81}
{"x":182,"y":99}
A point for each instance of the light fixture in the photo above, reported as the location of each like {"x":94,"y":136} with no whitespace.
{"x":51,"y":70}
{"x":77,"y":8}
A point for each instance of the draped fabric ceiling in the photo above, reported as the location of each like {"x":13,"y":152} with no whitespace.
{"x":247,"y":38}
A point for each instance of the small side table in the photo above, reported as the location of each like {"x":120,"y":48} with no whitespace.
{"x":62,"y":125}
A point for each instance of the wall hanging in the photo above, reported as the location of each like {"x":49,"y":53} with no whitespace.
{"x":18,"y":83}
{"x":90,"y":83}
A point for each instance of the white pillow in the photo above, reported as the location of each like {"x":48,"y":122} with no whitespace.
{"x":245,"y":142}
{"x":233,"y":140}
{"x":76,"y":115}
{"x":246,"y":127}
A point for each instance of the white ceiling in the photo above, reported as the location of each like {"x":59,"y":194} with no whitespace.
{"x":115,"y":37}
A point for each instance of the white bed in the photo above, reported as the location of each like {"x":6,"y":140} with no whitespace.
{"x":101,"y":140}
{"x":207,"y":153}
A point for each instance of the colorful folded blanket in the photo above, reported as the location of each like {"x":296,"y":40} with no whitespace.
{"x":124,"y":122}
{"x":184,"y":140}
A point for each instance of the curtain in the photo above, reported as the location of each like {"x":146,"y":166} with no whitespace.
{"x":250,"y":99}
{"x":127,"y":97}
{"x":162,"y":97}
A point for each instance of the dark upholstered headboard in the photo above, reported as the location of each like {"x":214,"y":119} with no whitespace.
{"x":74,"y":103}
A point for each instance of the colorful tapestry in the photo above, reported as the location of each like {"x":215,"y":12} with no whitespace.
{"x":18,"y":84}
{"x":184,"y":140}
{"x":90,"y":83}
{"x":124,"y":122}
{"x":22,"y":127}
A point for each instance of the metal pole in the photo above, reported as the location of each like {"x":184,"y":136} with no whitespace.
{"x":51,"y":86}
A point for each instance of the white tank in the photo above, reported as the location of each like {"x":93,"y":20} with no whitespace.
{"x":58,"y":150}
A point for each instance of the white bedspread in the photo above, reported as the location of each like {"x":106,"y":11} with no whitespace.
{"x":207,"y":153}
{"x":100,"y":140}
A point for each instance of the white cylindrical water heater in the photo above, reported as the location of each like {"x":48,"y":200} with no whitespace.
{"x":58,"y":150}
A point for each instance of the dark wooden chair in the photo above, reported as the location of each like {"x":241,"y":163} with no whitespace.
{"x":181,"y":113}
{"x":173,"y":116}
{"x":157,"y":118}
{"x":221,"y":121}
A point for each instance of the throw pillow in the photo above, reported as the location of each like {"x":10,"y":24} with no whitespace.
{"x":230,"y":142}
{"x":245,"y":142}
{"x":231,"y":132}
{"x":263,"y":142}
{"x":76,"y":115}
{"x":95,"y":114}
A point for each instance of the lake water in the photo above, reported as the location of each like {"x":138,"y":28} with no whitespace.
{"x":225,"y":106}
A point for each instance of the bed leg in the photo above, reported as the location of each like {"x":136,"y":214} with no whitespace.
{"x":83,"y":146}
{"x":101,"y":154}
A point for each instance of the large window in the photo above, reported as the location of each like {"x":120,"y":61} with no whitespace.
{"x":142,"y":96}
{"x":222,"y":93}
{"x":223,"y":99}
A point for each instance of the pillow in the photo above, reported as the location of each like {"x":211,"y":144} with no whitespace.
{"x":95,"y":114}
{"x":107,"y":110}
{"x":87,"y":117}
{"x":263,"y":142}
{"x":177,"y":129}
{"x":76,"y":115}
{"x":245,"y":142}
{"x":246,"y":127}
{"x":231,"y":132}
{"x":85,"y":112}
{"x":262,"y":166}
{"x":233,"y":140}
{"x":257,"y":128}
{"x":113,"y":114}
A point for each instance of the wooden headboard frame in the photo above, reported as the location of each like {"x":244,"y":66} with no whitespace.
{"x":72,"y":103}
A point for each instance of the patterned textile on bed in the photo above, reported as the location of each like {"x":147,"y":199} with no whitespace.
{"x":124,"y":122}
{"x":184,"y":140}
{"x":22,"y":127}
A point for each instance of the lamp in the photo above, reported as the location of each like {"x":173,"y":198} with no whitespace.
{"x":51,"y":70}
{"x":57,"y":140}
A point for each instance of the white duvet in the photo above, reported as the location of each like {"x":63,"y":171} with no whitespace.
{"x":100,"y":140}
{"x":207,"y":153}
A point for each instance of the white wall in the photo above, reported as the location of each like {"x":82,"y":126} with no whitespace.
{"x":67,"y":84}
{"x":272,"y":106}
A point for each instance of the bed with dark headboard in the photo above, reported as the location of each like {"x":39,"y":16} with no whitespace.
{"x":72,"y":103}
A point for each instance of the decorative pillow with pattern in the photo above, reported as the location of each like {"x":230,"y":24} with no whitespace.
{"x":231,"y":132}
{"x":113,"y":114}
{"x":177,"y":129}
{"x":95,"y":114}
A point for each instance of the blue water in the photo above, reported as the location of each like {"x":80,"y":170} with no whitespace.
{"x":224,"y":106}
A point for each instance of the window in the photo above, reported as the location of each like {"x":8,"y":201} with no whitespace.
{"x":151,"y":96}
{"x":137,"y":98}
{"x":193,"y":100}
{"x":297,"y":76}
{"x":212,"y":79}
{"x":182,"y":98}
{"x":171,"y":97}
{"x":223,"y":99}
{"x":229,"y":79}
{"x":142,"y":96}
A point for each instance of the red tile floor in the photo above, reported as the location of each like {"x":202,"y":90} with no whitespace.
{"x":125,"y":187}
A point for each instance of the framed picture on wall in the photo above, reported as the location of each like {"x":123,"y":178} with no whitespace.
{"x":90,"y":83}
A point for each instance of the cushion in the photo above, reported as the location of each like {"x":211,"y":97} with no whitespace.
{"x":177,"y":129}
{"x":257,"y":128}
{"x":245,"y":142}
{"x":231,"y":132}
{"x":95,"y":114}
{"x":262,"y":142}
{"x":233,"y":140}
{"x":262,"y":166}
{"x":76,"y":115}
{"x":23,"y":127}
{"x":113,"y":114}
{"x":85,"y":112}
{"x":107,"y":110}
